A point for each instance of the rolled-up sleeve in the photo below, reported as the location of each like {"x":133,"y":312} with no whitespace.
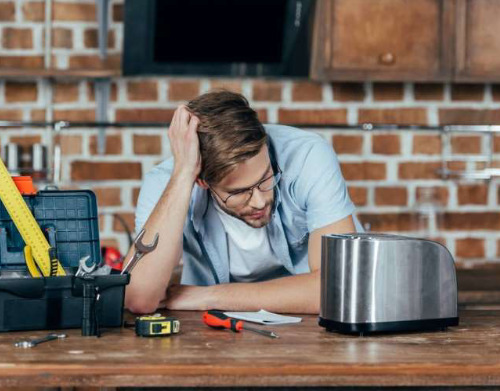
{"x":320,"y":187}
{"x":153,"y":185}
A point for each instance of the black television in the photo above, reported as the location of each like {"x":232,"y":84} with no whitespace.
{"x":218,"y":37}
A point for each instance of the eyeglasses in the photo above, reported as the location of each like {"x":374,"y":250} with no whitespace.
{"x":243,"y":196}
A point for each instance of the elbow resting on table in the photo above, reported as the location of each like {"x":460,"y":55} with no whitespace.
{"x":141,"y":305}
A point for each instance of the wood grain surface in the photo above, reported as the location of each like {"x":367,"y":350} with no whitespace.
{"x":304,"y":355}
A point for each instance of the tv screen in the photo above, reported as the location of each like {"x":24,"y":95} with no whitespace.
{"x":218,"y":37}
{"x":219,"y":31}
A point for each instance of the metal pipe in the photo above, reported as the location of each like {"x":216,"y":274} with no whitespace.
{"x":360,"y":127}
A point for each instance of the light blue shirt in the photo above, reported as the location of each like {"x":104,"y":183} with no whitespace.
{"x":311,"y":194}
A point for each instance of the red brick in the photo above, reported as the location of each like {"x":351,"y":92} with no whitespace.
{"x":262,"y":115}
{"x":135,"y":195}
{"x":438,"y":194}
{"x":496,"y":144}
{"x":94,"y":62}
{"x":469,"y":248}
{"x":407,"y":116}
{"x":265,"y":90}
{"x":21,"y":62}
{"x":472,"y":194}
{"x":145,"y":115}
{"x":344,"y":144}
{"x":113,"y":144}
{"x":17,"y":38}
{"x":147,"y":144}
{"x":390,"y":221}
{"x":108,"y":196}
{"x":74,"y":115}
{"x":11,"y":115}
{"x":467,"y":221}
{"x":386,"y":144}
{"x":363,"y":171}
{"x":26,"y":140}
{"x":34,"y":11}
{"x":305,"y":91}
{"x":468,"y":117}
{"x":348,"y":92}
{"x":456,"y":165}
{"x":228,"y":85}
{"x":71,"y":144}
{"x":419,"y":170}
{"x":7,"y":12}
{"x":397,"y":196}
{"x":428,"y":91}
{"x":316,"y":117}
{"x":38,"y":115}
{"x":101,"y":171}
{"x":74,"y":12}
{"x":466,"y":144}
{"x":20,"y":92}
{"x":388,"y":91}
{"x":62,"y":38}
{"x":467,"y":92}
{"x":183,"y":90}
{"x":129,"y":219}
{"x":65,"y":92}
{"x":117,"y":12}
{"x":359,"y":195}
{"x":427,"y":144}
{"x":91,"y":39}
{"x":142,"y":90}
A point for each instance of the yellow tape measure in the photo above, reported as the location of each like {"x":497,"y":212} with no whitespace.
{"x":37,"y":246}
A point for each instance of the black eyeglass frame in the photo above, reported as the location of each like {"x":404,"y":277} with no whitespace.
{"x":251,"y":188}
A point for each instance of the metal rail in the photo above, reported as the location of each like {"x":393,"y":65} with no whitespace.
{"x":360,"y":127}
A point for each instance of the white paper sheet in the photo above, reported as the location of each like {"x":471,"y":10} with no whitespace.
{"x":264,"y":317}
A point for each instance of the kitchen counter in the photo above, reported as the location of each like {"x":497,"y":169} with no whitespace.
{"x":304,"y":355}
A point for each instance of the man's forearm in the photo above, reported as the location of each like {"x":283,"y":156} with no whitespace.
{"x":151,"y":275}
{"x":294,"y":294}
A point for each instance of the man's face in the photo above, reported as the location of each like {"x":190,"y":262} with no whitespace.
{"x":257,"y":211}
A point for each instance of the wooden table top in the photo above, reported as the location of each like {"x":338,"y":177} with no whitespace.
{"x":304,"y":355}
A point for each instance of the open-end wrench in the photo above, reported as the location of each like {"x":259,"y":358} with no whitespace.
{"x":140,"y":250}
{"x":83,"y":268}
{"x":33,"y":342}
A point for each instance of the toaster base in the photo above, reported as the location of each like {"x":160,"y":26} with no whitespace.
{"x":407,"y":325}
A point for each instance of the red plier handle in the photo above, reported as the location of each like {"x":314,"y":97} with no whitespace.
{"x":218,"y":320}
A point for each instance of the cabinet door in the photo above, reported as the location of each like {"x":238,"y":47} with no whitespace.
{"x":382,"y":40}
{"x":478,"y":40}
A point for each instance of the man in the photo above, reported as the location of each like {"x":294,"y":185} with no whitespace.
{"x":244,"y":205}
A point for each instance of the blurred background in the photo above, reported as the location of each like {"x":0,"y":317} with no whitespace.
{"x":405,"y":91}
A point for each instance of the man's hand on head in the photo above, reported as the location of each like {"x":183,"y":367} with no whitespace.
{"x":184,"y":143}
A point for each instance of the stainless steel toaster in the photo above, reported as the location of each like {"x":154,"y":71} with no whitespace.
{"x":373,"y":282}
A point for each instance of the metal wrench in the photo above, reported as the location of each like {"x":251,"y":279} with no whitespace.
{"x":140,"y":250}
{"x":33,"y":342}
{"x":83,"y":268}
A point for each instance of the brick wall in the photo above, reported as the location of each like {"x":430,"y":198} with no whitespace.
{"x":389,"y":173}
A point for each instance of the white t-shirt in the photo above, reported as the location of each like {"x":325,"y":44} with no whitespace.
{"x":251,"y":257}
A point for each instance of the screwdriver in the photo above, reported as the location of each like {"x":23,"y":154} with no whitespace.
{"x":219,"y":320}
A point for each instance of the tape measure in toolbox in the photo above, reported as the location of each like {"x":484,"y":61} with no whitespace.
{"x":156,"y":326}
{"x":37,"y":252}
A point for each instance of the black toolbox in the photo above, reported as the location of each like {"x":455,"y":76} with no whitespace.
{"x":69,"y":219}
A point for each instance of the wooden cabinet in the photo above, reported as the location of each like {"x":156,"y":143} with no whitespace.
{"x":477,"y":40}
{"x":382,"y":40}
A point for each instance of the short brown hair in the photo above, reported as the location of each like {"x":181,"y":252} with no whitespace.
{"x":229,"y":132}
